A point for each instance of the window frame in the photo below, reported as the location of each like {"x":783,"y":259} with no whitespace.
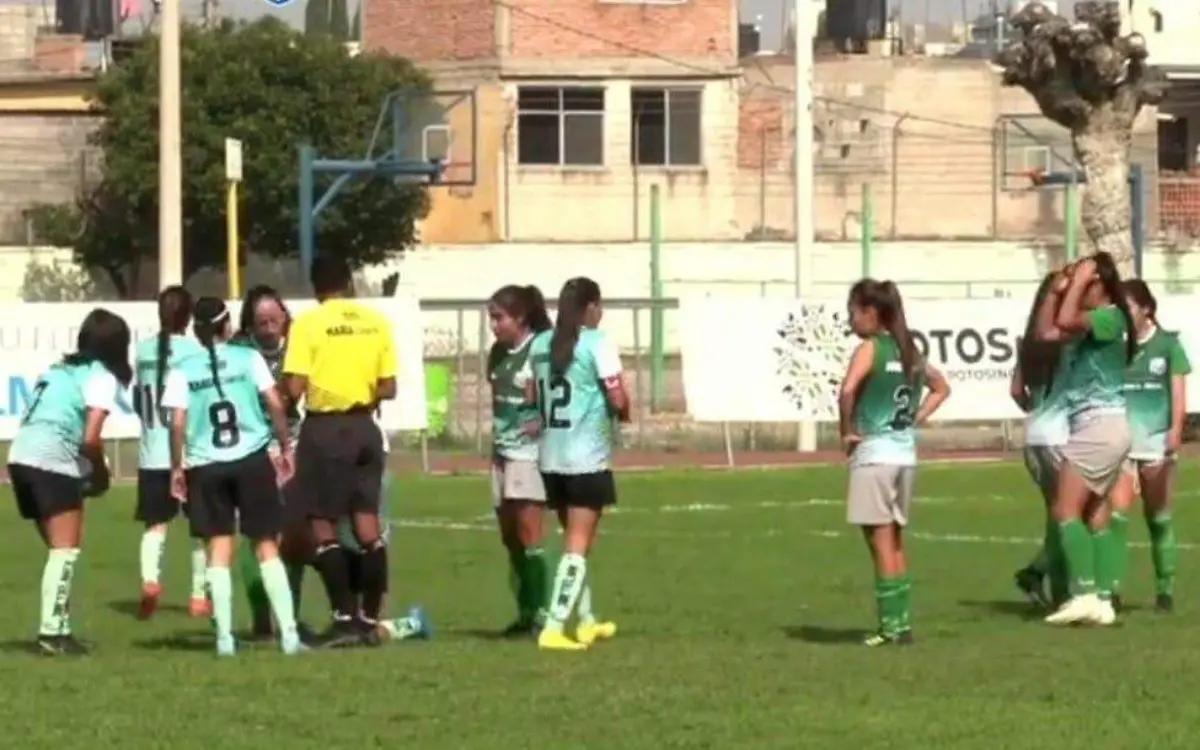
{"x":635,"y":137}
{"x":563,"y":113}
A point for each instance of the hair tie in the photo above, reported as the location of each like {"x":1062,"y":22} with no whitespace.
{"x":220,"y":316}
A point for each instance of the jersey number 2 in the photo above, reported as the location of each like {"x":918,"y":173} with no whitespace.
{"x":222,"y":417}
{"x":559,"y":392}
{"x":902,"y":415}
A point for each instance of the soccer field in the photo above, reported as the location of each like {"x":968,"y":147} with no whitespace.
{"x":740,"y":596}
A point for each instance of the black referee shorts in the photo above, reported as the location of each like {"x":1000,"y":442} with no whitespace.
{"x":339,"y":464}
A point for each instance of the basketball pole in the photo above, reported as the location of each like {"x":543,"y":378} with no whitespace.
{"x":170,"y":167}
{"x":803,"y":29}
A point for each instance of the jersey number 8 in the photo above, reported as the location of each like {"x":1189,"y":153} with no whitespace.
{"x":559,"y":389}
{"x":222,"y":416}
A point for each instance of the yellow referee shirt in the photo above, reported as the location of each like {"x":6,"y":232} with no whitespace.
{"x":344,"y":348}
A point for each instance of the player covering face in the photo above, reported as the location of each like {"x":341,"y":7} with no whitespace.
{"x":1156,"y":402}
{"x":888,"y":391}
{"x":1086,"y":309}
{"x":57,"y":459}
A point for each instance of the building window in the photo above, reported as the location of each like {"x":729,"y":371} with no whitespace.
{"x":666,"y":127}
{"x":560,"y":125}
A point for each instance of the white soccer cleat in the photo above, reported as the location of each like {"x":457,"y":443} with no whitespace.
{"x":1078,"y":609}
{"x":1104,"y":614}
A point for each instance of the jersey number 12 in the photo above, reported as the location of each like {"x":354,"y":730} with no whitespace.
{"x":558,"y":389}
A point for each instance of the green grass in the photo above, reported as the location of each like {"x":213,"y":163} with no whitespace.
{"x":740,"y":597}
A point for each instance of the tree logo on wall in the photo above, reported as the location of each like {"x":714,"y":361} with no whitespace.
{"x":812,"y":349}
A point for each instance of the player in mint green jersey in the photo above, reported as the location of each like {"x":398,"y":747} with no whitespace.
{"x":577,"y":383}
{"x":1036,"y":389}
{"x":1086,"y":309}
{"x":156,"y":507}
{"x":888,"y":391}
{"x":1156,"y":402}
{"x":220,"y":432}
{"x":57,"y":459}
{"x":518,"y":313}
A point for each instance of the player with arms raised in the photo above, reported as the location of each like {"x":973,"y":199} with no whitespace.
{"x":576,"y":381}
{"x":880,"y":404}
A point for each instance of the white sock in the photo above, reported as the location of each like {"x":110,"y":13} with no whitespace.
{"x":568,"y":583}
{"x":199,"y":571}
{"x":586,"y":616}
{"x":150,"y":555}
{"x":56,"y":591}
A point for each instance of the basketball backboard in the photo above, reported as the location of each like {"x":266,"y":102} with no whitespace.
{"x":440,"y":125}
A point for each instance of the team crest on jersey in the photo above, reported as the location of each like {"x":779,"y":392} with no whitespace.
{"x":812,"y":347}
{"x":1158,"y":366}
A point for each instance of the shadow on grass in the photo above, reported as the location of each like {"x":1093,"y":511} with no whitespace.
{"x":131,"y":607}
{"x":27,"y":646}
{"x":1022,"y":610}
{"x":826,"y":636}
{"x":484,"y":634}
{"x":191,"y":641}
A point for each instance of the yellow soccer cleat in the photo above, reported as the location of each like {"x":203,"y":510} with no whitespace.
{"x":556,"y":640}
{"x":596,"y":631}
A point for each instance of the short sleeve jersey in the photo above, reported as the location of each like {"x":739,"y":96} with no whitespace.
{"x":510,"y":411}
{"x":576,"y":425}
{"x":344,"y":348}
{"x":51,"y":431}
{"x":1148,"y":394}
{"x":274,"y":360}
{"x":225,"y":417}
{"x":154,"y":448}
{"x":885,"y":408}
{"x":1095,"y":376}
{"x":1047,"y":423}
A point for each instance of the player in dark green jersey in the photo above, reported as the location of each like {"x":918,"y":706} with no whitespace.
{"x":518,"y":313}
{"x":883,"y":398}
{"x":1086,"y":310}
{"x":1036,"y":388}
{"x":1156,"y":404}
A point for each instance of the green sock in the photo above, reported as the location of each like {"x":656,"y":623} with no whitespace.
{"x":256,"y":594}
{"x":199,"y":570}
{"x":904,"y":607}
{"x":568,"y":583}
{"x":279,"y":594}
{"x":220,"y":588}
{"x":1060,"y":589}
{"x":516,"y":566}
{"x":889,"y":604}
{"x":1118,"y":529}
{"x":1105,"y":556}
{"x":56,"y":591}
{"x":1080,"y":554}
{"x":534,"y":577}
{"x":1164,"y":552}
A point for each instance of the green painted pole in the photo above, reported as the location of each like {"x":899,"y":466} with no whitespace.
{"x":657,"y":346}
{"x":868,"y":228}
{"x":1071,"y":218}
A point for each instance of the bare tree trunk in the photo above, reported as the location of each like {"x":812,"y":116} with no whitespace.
{"x":1102,"y":147}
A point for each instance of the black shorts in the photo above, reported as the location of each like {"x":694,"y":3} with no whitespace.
{"x":339,"y":465}
{"x":597,"y":490}
{"x":155,"y":504}
{"x":239,"y":495}
{"x":44,"y":494}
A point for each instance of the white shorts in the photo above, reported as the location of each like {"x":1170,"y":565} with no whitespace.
{"x":1097,"y":449}
{"x":515,"y":479}
{"x":880,"y":495}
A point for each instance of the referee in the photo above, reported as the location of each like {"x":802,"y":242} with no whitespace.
{"x":341,"y":360}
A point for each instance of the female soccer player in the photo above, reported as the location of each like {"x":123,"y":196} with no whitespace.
{"x":263,"y":324}
{"x":155,"y":505}
{"x":882,"y":400}
{"x":518,"y":313}
{"x":1036,"y":389}
{"x":577,"y":383}
{"x":1156,"y":402}
{"x":59,"y":438}
{"x":1086,"y":307}
{"x":220,"y":431}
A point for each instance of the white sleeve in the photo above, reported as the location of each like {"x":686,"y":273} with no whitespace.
{"x":175,"y":391}
{"x":608,"y":358}
{"x":522,"y":377}
{"x":261,"y":372}
{"x":100,"y":391}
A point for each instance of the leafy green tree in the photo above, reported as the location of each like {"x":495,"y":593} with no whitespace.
{"x":273,"y":88}
{"x":339,"y":21}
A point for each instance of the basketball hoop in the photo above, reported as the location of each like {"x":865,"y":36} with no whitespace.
{"x":1037,"y":177}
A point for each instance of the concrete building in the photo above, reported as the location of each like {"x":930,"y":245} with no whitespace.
{"x":581,"y":106}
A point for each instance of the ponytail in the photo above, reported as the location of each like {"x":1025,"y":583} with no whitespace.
{"x":1038,"y":359}
{"x":212,"y":318}
{"x":160,"y":371}
{"x":174,"y":314}
{"x":1141,"y":294}
{"x":894,"y":321}
{"x":536,"y":317}
{"x":573,"y":301}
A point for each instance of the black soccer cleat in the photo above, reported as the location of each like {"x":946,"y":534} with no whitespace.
{"x":341,"y":634}
{"x":1164,"y":604}
{"x":60,"y":645}
{"x":1032,"y":585}
{"x":520,"y":629}
{"x":1118,"y":603}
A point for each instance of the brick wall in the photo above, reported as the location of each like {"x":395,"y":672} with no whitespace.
{"x":444,"y":30}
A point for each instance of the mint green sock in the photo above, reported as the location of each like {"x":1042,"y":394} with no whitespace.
{"x":1118,"y":529}
{"x":279,"y":593}
{"x":220,"y":588}
{"x":584,"y":607}
{"x":57,"y":576}
{"x":199,"y":571}
{"x":568,"y":583}
{"x":1080,"y":554}
{"x":150,"y":555}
